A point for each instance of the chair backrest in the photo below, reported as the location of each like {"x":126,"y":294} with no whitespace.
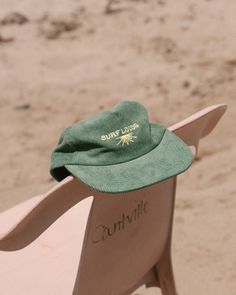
{"x":126,"y":233}
{"x":126,"y":237}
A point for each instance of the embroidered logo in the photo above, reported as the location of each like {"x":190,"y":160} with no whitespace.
{"x":126,"y":139}
{"x":124,"y":135}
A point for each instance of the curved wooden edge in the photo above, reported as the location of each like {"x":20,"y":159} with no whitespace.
{"x":70,"y":191}
{"x":198,"y":125}
{"x":10,"y":217}
{"x":50,"y":207}
{"x":204,"y":112}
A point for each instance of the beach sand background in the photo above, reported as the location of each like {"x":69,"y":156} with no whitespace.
{"x":62,"y":61}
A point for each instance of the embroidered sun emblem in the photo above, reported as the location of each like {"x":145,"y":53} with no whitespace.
{"x":126,"y":139}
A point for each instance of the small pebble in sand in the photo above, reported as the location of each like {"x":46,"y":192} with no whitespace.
{"x":5,"y":39}
{"x":231,"y":62}
{"x":52,"y":28}
{"x":162,"y":2}
{"x":23,"y":106}
{"x":186,"y":84}
{"x":14,"y":18}
{"x":111,"y":7}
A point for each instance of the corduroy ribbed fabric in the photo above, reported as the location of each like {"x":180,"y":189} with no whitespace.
{"x":119,"y":150}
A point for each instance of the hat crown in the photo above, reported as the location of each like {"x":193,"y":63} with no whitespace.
{"x":118,"y":135}
{"x":118,"y":130}
{"x":119,"y":150}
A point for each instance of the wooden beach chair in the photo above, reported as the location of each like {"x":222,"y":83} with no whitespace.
{"x":74,"y":240}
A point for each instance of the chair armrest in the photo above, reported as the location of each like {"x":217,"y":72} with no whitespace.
{"x":199,"y":125}
{"x":50,"y":207}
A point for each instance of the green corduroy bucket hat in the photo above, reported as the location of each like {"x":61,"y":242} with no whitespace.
{"x":119,"y":150}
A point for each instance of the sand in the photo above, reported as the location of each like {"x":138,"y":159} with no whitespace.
{"x":62,"y":62}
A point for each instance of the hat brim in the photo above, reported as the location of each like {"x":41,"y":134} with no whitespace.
{"x":171,"y":157}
